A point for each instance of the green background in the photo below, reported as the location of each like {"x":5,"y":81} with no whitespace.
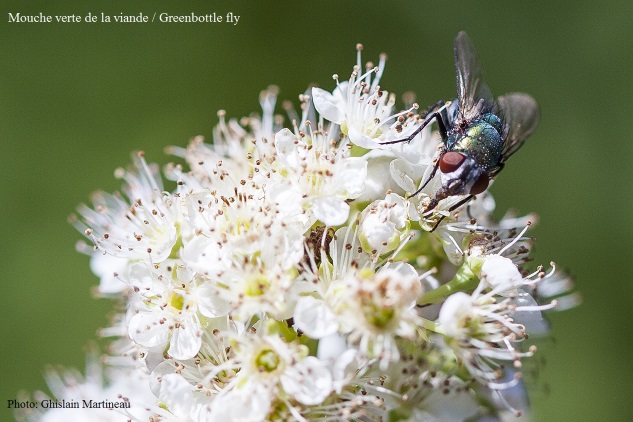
{"x":76,"y":99}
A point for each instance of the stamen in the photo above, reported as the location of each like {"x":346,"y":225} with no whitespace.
{"x":516,"y":239}
{"x":380,"y":69}
{"x":359,"y":48}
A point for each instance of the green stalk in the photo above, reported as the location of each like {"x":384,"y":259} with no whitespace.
{"x":465,"y":280}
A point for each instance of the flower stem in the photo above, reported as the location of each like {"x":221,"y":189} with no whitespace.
{"x":466,"y":279}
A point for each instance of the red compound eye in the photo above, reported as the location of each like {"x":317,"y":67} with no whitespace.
{"x":481,"y":184}
{"x":451,"y":161}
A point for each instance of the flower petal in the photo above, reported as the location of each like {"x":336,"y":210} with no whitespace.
{"x":314,"y":318}
{"x":210,"y":303}
{"x":309,"y":381}
{"x":148,"y":329}
{"x":175,"y":393}
{"x":328,"y":106}
{"x":501,"y":272}
{"x":186,"y":340}
{"x":330,"y":210}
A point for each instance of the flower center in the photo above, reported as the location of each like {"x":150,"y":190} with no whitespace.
{"x":240,"y":226}
{"x":316,"y":178}
{"x":256,"y":286}
{"x":267,"y":361}
{"x":378,"y":317}
{"x":176,"y":301}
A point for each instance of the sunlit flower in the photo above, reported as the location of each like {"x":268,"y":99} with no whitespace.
{"x":173,"y":314}
{"x":384,"y":224}
{"x":363,"y":110}
{"x":320,"y":175}
{"x":482,"y":330}
{"x":372,"y":306}
{"x":144,"y":227}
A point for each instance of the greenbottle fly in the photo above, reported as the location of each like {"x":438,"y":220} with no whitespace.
{"x":478,"y":133}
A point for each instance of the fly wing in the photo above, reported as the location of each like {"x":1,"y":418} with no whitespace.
{"x":520,"y":114}
{"x":473,"y":93}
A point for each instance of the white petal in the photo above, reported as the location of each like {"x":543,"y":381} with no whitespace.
{"x":378,"y":180}
{"x":400,"y":172}
{"x":287,"y":198}
{"x":351,"y":179}
{"x":331,"y":347}
{"x":331,"y":211}
{"x":398,"y":212}
{"x":210,"y":303}
{"x":344,"y":369}
{"x":412,"y":212}
{"x":362,"y":140}
{"x":104,"y":266}
{"x":499,"y":271}
{"x":309,"y":381}
{"x":455,"y":309}
{"x":286,"y":147}
{"x":163,"y":245}
{"x":148,"y":329}
{"x":314,"y":318}
{"x":186,"y":340}
{"x":378,"y":234}
{"x":204,"y":254}
{"x":197,"y":209}
{"x":328,"y":106}
{"x":176,"y":393}
{"x":140,"y":276}
{"x":248,"y":403}
{"x":202,"y":412}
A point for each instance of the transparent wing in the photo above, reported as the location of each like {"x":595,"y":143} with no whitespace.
{"x":520,"y":114}
{"x":473,"y":94}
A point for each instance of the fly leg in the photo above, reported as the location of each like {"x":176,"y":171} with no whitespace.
{"x":428,"y":179}
{"x":451,"y":209}
{"x":432,"y":107}
{"x":429,"y":115}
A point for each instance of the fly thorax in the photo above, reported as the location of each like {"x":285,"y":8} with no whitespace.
{"x":494,"y":121}
{"x":481,"y":141}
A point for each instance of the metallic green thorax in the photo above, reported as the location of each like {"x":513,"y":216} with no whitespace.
{"x":481,"y":140}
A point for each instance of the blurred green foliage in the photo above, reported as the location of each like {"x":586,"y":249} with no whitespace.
{"x":76,"y":99}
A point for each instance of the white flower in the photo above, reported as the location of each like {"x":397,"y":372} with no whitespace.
{"x":146,"y":228}
{"x":240,"y":151}
{"x":318,"y":174}
{"x":244,"y":250}
{"x":363,"y":110}
{"x":270,"y":369}
{"x":173,"y":314}
{"x":108,"y":268}
{"x":384,"y":224}
{"x":373,"y":306}
{"x":252,"y":288}
{"x":175,"y":393}
{"x":475,"y":235}
{"x":482,"y":331}
{"x":241,"y":224}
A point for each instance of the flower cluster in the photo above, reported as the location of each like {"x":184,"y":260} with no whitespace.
{"x":290,"y":275}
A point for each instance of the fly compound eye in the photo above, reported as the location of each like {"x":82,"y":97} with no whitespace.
{"x":481,"y":184}
{"x":451,"y":161}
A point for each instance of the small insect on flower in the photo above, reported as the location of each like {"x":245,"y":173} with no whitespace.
{"x":478,"y":133}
